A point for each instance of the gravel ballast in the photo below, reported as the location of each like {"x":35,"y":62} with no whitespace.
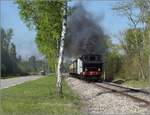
{"x":99,"y":101}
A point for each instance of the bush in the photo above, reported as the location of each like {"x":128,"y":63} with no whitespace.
{"x":113,"y":65}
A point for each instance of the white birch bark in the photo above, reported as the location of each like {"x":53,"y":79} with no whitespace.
{"x":149,"y":53}
{"x":61,"y":51}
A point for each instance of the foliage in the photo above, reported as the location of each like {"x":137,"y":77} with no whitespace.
{"x":135,"y":41}
{"x":132,"y":42}
{"x":144,"y":8}
{"x":113,"y":62}
{"x":46,"y":18}
{"x":13,"y":65}
{"x":8,"y":54}
{"x":33,"y":65}
{"x":38,"y":97}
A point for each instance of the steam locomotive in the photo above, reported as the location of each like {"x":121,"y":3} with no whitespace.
{"x":87,"y":67}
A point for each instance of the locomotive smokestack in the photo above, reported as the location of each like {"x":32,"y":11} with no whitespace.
{"x":84,"y":34}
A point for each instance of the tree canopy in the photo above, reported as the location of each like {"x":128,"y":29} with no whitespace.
{"x":135,"y":40}
{"x":12,"y":64}
{"x":46,"y":18}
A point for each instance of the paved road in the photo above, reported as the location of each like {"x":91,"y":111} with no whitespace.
{"x":5,"y":83}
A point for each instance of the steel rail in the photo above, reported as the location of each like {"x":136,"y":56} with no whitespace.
{"x":132,"y":89}
{"x":125,"y":94}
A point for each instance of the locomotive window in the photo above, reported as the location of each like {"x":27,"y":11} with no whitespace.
{"x":92,"y":58}
{"x":98,"y":58}
{"x":86,"y":58}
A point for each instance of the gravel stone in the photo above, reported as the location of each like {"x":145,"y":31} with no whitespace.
{"x":99,"y":101}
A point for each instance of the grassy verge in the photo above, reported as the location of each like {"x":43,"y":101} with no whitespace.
{"x":137,"y":83}
{"x":38,"y":98}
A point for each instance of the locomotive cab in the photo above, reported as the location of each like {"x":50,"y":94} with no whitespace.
{"x":92,"y":67}
{"x":87,"y":67}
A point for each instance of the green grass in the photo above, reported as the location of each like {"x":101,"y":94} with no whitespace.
{"x":137,"y":83}
{"x":39,"y":98}
{"x":118,"y":81}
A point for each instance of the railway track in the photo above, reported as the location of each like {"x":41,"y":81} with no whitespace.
{"x":125,"y":91}
{"x":129,"y":88}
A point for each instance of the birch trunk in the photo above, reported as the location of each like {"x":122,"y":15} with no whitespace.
{"x":61,"y":51}
{"x":149,"y":53}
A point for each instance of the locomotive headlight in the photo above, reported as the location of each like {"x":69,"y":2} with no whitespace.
{"x":86,"y":69}
{"x":99,"y":69}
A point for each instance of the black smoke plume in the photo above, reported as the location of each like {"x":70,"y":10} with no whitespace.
{"x":84,"y":34}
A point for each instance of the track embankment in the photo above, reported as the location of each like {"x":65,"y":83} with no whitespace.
{"x":99,"y":100}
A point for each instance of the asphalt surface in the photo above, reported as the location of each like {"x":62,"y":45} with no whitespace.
{"x":6,"y":83}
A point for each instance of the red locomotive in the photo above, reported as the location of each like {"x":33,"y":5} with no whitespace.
{"x":88,"y":67}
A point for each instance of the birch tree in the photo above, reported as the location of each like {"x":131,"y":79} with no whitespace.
{"x":61,"y":51}
{"x":48,"y":18}
{"x":144,"y":6}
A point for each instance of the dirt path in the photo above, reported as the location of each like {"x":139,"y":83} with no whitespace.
{"x":5,"y":83}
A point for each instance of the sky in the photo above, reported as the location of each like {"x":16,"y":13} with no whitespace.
{"x":111,"y":21}
{"x":24,"y":39}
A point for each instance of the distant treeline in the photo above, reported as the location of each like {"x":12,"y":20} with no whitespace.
{"x":13,"y":65}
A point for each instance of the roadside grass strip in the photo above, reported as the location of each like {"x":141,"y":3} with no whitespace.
{"x":39,"y":98}
{"x":138,"y":83}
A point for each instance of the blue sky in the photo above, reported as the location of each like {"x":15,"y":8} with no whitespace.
{"x":24,"y":38}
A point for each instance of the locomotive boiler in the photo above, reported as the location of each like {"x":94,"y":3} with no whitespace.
{"x":88,"y":67}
